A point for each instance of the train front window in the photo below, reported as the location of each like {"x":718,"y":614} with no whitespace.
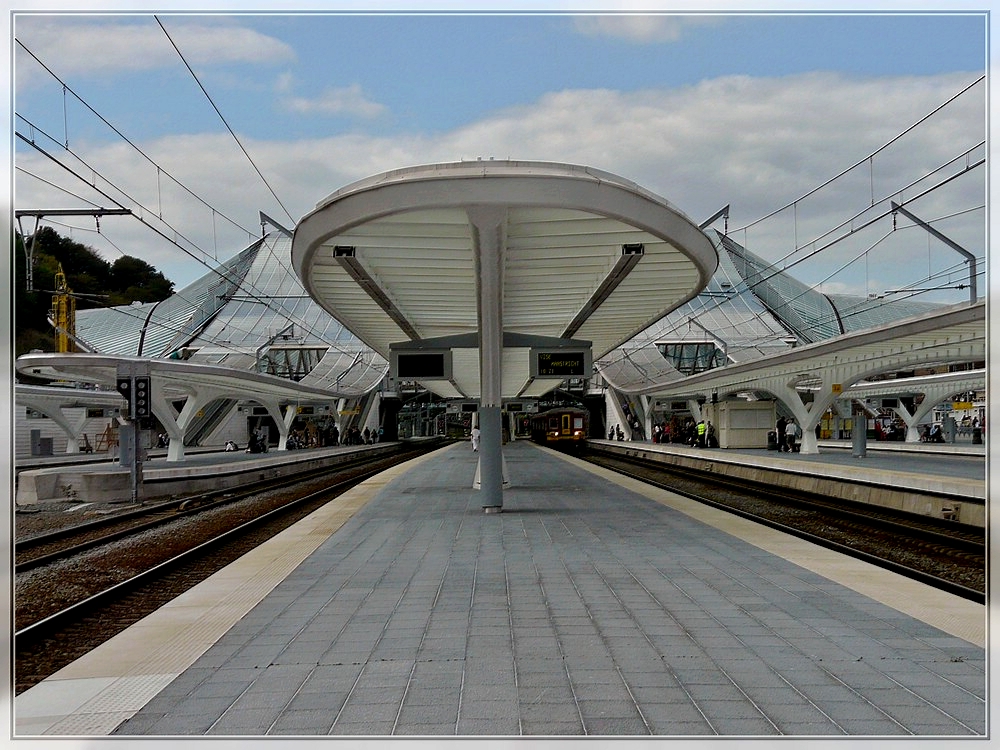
{"x":553,"y":423}
{"x":578,"y":423}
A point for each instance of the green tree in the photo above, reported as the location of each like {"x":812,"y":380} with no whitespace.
{"x":93,"y":281}
{"x":87,"y":273}
{"x":133,"y":279}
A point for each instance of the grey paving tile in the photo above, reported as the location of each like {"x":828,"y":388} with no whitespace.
{"x":305,"y":722}
{"x":613,"y":726}
{"x":425,"y":729}
{"x":199,"y":724}
{"x":489,"y":710}
{"x":363,"y":729}
{"x":327,"y":702}
{"x":672,"y":728}
{"x":873,"y":728}
{"x":248,"y":722}
{"x":810,"y":729}
{"x":417,"y":695}
{"x":496,"y":726}
{"x":428,"y":714}
{"x":744,"y":727}
{"x":541,"y":727}
{"x":197,"y":705}
{"x":618,"y":692}
{"x":600,"y":708}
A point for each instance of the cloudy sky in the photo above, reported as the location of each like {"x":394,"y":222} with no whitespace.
{"x":200,"y":122}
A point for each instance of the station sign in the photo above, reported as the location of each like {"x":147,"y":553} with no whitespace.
{"x":466,"y":407}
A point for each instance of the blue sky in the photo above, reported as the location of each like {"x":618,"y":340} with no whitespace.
{"x":754,"y":110}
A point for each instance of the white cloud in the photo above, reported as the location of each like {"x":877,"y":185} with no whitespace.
{"x":108,"y":49}
{"x":644,"y":28}
{"x":347,"y":100}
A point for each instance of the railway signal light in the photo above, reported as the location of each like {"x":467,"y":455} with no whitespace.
{"x":142,"y":397}
{"x":124,"y":387}
{"x":136,"y":391}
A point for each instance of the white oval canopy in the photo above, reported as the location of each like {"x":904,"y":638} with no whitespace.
{"x":544,"y":250}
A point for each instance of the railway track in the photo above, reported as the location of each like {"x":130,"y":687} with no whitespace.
{"x":83,"y":594}
{"x":50,"y":546}
{"x":947,"y":555}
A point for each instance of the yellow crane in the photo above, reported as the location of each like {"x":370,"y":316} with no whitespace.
{"x":62,"y":316}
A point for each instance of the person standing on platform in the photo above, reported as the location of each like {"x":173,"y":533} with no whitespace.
{"x":791,"y":432}
{"x":779,"y":433}
{"x":475,"y":439}
{"x":701,"y":433}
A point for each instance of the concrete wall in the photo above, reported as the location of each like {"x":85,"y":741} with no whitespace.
{"x":741,"y":424}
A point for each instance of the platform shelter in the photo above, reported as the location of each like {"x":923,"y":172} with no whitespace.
{"x":483,"y":266}
{"x":190,"y":385}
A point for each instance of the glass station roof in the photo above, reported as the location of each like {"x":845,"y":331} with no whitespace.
{"x":251,"y":313}
{"x":748,"y":310}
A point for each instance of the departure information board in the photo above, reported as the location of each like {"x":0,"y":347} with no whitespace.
{"x":417,"y":365}
{"x":568,"y":363}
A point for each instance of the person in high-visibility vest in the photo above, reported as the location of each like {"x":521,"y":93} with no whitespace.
{"x":701,"y":434}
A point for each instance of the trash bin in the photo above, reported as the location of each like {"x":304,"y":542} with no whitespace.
{"x":772,"y":441}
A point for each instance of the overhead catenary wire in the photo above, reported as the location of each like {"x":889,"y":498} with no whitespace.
{"x":125,"y":138}
{"x":258,"y":296}
{"x":224,"y":121}
{"x":773,"y":269}
{"x":267,"y":301}
{"x":139,"y":216}
{"x":162,"y":172}
{"x":781,"y":266}
{"x":868,"y":158}
{"x":223,"y":118}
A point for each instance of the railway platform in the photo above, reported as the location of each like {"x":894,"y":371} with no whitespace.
{"x":592,"y":605}
{"x":945,"y":481}
{"x":107,"y":481}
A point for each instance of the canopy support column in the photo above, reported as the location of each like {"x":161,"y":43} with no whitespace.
{"x":176,"y":425}
{"x":282,"y":419}
{"x":489,"y":240}
{"x":54,"y":411}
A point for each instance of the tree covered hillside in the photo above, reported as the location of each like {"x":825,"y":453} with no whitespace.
{"x":94,"y":282}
